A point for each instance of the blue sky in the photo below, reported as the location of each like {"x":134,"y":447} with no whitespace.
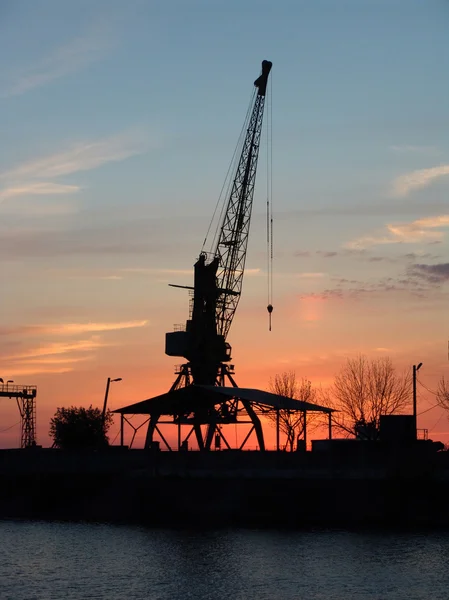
{"x":118,"y":123}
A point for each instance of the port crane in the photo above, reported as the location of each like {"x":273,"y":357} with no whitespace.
{"x":218,"y":277}
{"x":199,"y":395}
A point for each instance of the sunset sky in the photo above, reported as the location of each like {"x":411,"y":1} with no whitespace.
{"x":118,"y":121}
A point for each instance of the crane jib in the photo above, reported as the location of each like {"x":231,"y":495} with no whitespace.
{"x":233,"y":239}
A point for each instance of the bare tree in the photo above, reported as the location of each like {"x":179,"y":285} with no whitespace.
{"x":363,"y":391}
{"x":443,"y":393}
{"x":291,"y":422}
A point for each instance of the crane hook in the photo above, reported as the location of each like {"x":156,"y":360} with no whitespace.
{"x":270,"y":310}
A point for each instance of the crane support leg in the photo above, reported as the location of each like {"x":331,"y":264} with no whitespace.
{"x":199,"y":436}
{"x":150,"y":431}
{"x":210,"y":434}
{"x":256,"y":423}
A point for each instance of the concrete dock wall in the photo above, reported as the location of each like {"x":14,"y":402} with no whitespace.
{"x":223,"y":489}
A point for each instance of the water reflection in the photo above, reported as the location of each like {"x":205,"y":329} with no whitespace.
{"x":57,"y":560}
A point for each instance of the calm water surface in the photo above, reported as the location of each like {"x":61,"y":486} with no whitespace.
{"x":43,"y":561}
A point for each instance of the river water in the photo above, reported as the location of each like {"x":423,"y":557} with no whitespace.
{"x":44,"y":561}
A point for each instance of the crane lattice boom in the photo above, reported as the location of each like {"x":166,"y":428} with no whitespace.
{"x":233,"y":240}
{"x":218,"y":282}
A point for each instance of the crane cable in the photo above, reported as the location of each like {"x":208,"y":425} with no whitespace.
{"x":10,"y":427}
{"x":228,"y":181}
{"x":270,"y":202}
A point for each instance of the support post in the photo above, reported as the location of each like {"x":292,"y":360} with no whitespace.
{"x":416,"y":368}
{"x":154,"y":418}
{"x":199,"y":435}
{"x":330,"y":425}
{"x":277,"y":430}
{"x":108,"y":383}
{"x":122,"y":424}
{"x":305,"y":430}
{"x":415,"y":418}
{"x":163,"y":438}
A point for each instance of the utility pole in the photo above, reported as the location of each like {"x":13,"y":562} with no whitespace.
{"x":106,"y":394}
{"x":416,"y":368}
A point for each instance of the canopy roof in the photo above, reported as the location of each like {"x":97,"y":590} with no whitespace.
{"x":267,"y":399}
{"x":197,"y":397}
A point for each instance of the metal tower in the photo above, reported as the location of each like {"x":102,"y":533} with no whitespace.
{"x":25,"y":396}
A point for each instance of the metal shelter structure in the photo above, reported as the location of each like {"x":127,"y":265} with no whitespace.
{"x":25,"y":396}
{"x":211,"y":406}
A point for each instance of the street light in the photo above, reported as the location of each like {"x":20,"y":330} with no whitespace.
{"x":109,"y":381}
{"x":9,"y":381}
{"x":416,"y":368}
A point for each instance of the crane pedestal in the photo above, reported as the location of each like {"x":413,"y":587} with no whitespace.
{"x":206,"y":412}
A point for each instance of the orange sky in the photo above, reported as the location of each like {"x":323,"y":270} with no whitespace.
{"x":70,"y":361}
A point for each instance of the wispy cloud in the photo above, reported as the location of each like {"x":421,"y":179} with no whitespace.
{"x":71,"y":328}
{"x":37,"y":188}
{"x":310,"y":275}
{"x":56,"y":357}
{"x":421,"y":230}
{"x":32,"y":369}
{"x":433,"y":274}
{"x":83,"y":156}
{"x":31,"y":178}
{"x":404,"y":184}
{"x":53,"y":360}
{"x":352,"y":290}
{"x":65,"y":60}
{"x":16,"y":244}
{"x":57,"y":348}
{"x":150,"y":271}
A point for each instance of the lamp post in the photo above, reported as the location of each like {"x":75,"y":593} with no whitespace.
{"x":106,"y":394}
{"x":416,"y":368}
{"x":9,"y":381}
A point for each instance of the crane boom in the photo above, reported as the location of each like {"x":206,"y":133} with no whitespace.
{"x":233,"y":240}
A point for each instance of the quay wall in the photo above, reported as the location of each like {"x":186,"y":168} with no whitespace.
{"x":193,"y":489}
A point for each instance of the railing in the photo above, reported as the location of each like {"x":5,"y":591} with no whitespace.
{"x":179,"y":327}
{"x":18,"y":390}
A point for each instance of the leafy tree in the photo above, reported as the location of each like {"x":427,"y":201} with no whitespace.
{"x":291,"y":422}
{"x":363,"y":391}
{"x":77,"y":428}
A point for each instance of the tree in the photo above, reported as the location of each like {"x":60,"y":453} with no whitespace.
{"x":443,"y":394}
{"x":291,"y":422}
{"x":363,"y":391}
{"x":77,"y":428}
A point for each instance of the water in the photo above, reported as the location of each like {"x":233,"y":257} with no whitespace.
{"x":45,"y":561}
